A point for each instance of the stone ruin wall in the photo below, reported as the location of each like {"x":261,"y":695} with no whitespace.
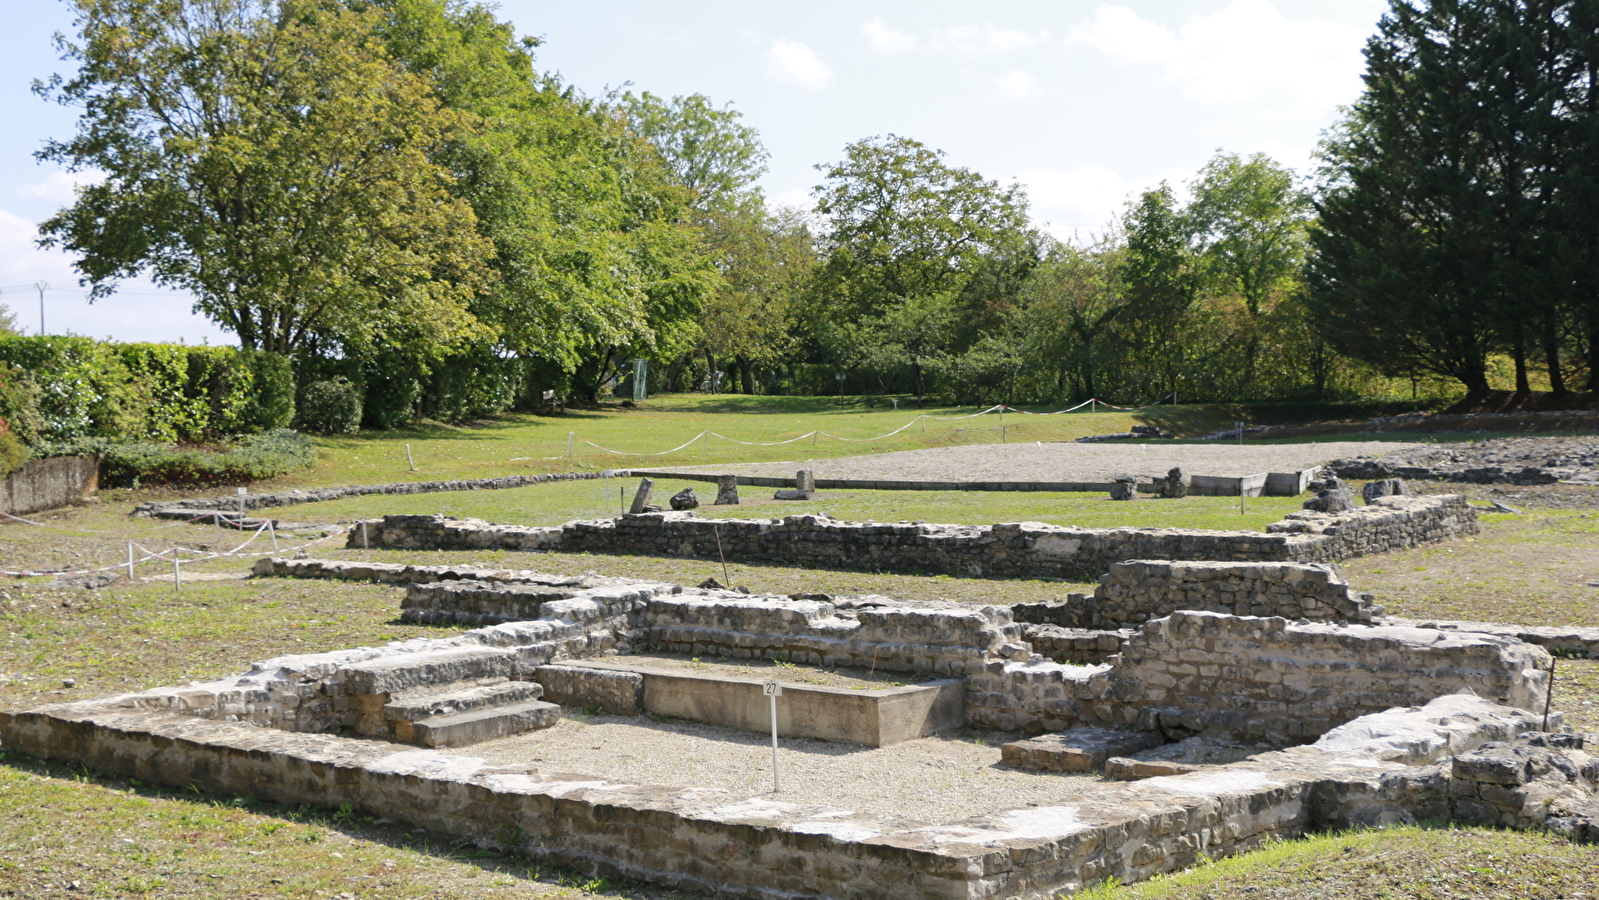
{"x":1205,"y":670}
{"x":699,"y":840}
{"x":1016,"y":550}
{"x":1254,"y":679}
{"x":1136,"y":591}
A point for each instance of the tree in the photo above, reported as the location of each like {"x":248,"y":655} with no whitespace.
{"x":766,"y":259}
{"x":596,"y":253}
{"x":904,"y":234}
{"x":1454,"y":216}
{"x":708,"y":151}
{"x":1250,"y":223}
{"x":1159,"y":275}
{"x":270,"y":157}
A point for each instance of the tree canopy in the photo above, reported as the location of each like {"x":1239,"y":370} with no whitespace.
{"x":1456,"y":214}
{"x":270,"y":157}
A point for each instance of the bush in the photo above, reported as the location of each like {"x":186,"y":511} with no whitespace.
{"x":253,"y":458}
{"x":19,"y":404}
{"x":84,"y":388}
{"x":271,"y":402}
{"x":331,"y":407}
{"x":12,"y":453}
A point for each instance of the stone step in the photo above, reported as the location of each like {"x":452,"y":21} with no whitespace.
{"x":475,"y":726}
{"x":409,"y":671}
{"x":1081,"y":749}
{"x":416,"y":706}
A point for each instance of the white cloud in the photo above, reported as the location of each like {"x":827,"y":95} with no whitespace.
{"x":1088,"y":199}
{"x":1247,"y":52}
{"x":59,"y":187}
{"x":972,"y":40}
{"x":1019,"y":85}
{"x":142,"y":311}
{"x":1084,"y":199}
{"x":791,"y":62}
{"x":797,"y":198}
{"x":885,"y":39}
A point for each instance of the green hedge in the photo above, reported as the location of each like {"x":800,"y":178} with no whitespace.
{"x":81,"y":388}
{"x":253,"y":458}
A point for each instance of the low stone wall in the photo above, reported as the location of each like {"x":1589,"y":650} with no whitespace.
{"x":318,"y":495}
{"x":1140,"y":590}
{"x":752,"y":847}
{"x":1539,"y":782}
{"x":1253,"y":679}
{"x":1384,"y":524}
{"x":937,"y":642}
{"x":49,"y":483}
{"x":1016,"y":550}
{"x":1267,"y":679}
{"x":317,"y":692}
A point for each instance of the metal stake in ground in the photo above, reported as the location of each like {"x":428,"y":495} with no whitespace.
{"x":716,"y":529}
{"x":1549,"y":697}
{"x":773,"y":690}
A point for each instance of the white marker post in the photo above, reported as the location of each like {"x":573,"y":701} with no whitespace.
{"x":408,"y":460}
{"x":242,"y":492}
{"x":773,"y":689}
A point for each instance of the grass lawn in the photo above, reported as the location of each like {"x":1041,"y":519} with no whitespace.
{"x":65,"y":832}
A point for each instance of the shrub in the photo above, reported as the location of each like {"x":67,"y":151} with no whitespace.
{"x":12,"y":453}
{"x":253,"y":458}
{"x":19,"y":404}
{"x":271,"y":400}
{"x":84,"y":388}
{"x":331,"y":407}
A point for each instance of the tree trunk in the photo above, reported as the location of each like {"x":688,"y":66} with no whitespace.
{"x":710,"y":376}
{"x":1519,"y":354}
{"x":746,"y":374}
{"x":1551,"y":352}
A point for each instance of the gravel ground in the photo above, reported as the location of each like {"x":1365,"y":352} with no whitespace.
{"x":1067,"y":461}
{"x":928,"y":781}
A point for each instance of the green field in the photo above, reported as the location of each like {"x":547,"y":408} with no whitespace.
{"x":116,"y":838}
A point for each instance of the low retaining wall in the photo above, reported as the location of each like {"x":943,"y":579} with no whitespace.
{"x":1139,"y":590}
{"x":49,"y":483}
{"x":1247,"y":678}
{"x":1017,"y":550}
{"x":758,"y":848}
{"x":182,"y":508}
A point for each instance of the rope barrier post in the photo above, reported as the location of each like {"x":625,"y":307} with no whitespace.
{"x":1093,"y":405}
{"x":272,"y":529}
{"x":242,"y":492}
{"x":130,"y":560}
{"x":923,"y":420}
{"x":175,"y":587}
{"x":571,"y":436}
{"x":408,"y":460}
{"x":216,"y":519}
{"x":813,"y":438}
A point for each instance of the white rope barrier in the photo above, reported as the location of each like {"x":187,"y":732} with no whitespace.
{"x":173,"y":554}
{"x":1000,"y":408}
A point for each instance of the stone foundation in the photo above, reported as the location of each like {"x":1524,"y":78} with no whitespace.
{"x":1017,"y":550}
{"x":758,"y":848}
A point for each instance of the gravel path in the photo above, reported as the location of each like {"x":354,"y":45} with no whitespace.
{"x":1067,"y":461}
{"x":928,"y":781}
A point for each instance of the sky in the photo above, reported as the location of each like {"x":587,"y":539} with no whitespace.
{"x":1084,"y":103}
